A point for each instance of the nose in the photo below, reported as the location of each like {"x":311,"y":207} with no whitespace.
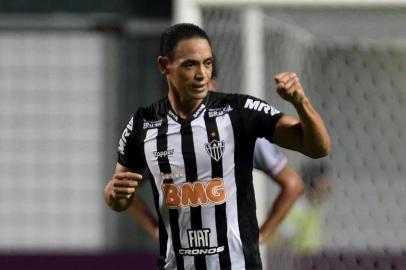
{"x":200,"y":73}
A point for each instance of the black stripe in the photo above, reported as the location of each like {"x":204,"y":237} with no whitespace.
{"x":164,"y":167}
{"x":247,"y":219}
{"x":163,"y":234}
{"x":221,"y":217}
{"x":189,"y":158}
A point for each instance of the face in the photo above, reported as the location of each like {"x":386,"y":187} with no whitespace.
{"x":189,"y":71}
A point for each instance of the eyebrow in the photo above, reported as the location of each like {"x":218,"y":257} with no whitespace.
{"x":197,"y":61}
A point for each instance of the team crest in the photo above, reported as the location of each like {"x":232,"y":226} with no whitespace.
{"x":215,"y":149}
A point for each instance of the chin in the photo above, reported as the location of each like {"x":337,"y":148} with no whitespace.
{"x":200,"y":95}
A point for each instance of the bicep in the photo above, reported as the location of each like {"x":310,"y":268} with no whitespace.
{"x":288,"y":133}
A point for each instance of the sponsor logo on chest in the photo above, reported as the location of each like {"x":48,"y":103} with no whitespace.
{"x":199,"y":244}
{"x":151,"y":124}
{"x":164,"y":153}
{"x":215,"y":112}
{"x":198,"y":193}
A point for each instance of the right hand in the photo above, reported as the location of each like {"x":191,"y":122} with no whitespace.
{"x":289,"y":87}
{"x":123,"y":185}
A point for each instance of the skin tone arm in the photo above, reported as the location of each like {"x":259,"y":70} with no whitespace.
{"x":307,"y":135}
{"x":291,"y":187}
{"x":120,"y":190}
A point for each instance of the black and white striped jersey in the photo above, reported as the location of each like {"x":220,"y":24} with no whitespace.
{"x":201,"y":170}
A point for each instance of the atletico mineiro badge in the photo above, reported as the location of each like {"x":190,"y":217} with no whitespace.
{"x":215,"y":149}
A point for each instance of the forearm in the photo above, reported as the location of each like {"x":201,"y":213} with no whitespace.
{"x":308,"y":135}
{"x":315,"y":138}
{"x":291,"y":188}
{"x":280,"y":208}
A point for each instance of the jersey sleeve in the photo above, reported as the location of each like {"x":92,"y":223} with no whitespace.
{"x":258,"y":117}
{"x":267,"y":158}
{"x":130,"y":148}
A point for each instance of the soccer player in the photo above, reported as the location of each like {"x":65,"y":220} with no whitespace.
{"x":266,"y":159}
{"x":198,"y":147}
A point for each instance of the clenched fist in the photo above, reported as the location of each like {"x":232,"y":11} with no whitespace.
{"x":124,"y":184}
{"x":121,"y":188}
{"x":289,"y":87}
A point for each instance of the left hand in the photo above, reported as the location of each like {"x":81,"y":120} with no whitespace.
{"x":265,"y":233}
{"x":289,"y":87}
{"x":262,"y":237}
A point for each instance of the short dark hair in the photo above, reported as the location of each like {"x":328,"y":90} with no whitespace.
{"x":177,"y":32}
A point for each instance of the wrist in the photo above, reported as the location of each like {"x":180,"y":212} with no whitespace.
{"x":300,"y":102}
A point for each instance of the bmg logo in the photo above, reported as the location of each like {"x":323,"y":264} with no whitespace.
{"x":198,"y":193}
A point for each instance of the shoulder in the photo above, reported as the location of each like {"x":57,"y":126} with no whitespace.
{"x":217,"y":98}
{"x":154,"y":110}
{"x":150,"y":116}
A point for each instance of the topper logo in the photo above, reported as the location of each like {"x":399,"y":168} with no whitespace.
{"x":164,"y":153}
{"x":194,"y":194}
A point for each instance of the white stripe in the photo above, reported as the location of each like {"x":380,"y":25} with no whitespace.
{"x":204,"y":172}
{"x":177,"y":167}
{"x":233,"y":234}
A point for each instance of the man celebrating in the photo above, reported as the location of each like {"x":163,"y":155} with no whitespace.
{"x":198,"y":147}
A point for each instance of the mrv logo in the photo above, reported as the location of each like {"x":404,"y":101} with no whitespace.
{"x":260,"y":106}
{"x":124,"y":136}
{"x":199,"y":244}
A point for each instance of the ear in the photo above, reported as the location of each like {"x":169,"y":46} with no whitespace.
{"x":163,"y":62}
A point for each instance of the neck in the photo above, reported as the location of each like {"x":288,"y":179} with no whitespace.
{"x":183,"y":107}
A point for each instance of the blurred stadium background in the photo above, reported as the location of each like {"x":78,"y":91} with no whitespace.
{"x":71,"y":73}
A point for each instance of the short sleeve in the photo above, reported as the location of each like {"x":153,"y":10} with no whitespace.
{"x":267,"y":158}
{"x":130,"y":146}
{"x":259,"y":118}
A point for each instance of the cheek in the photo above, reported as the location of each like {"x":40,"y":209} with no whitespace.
{"x":185,"y":76}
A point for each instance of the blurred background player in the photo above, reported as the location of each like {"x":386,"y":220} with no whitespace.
{"x":301,"y":230}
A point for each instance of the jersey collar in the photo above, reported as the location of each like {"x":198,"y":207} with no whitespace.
{"x":201,"y":108}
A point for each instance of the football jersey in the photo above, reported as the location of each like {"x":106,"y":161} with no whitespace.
{"x":201,"y":176}
{"x":267,"y":158}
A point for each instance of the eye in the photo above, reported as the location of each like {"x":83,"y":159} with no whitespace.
{"x":209,"y":62}
{"x":189,"y":65}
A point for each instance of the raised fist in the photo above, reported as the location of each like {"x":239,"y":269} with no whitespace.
{"x":289,"y":87}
